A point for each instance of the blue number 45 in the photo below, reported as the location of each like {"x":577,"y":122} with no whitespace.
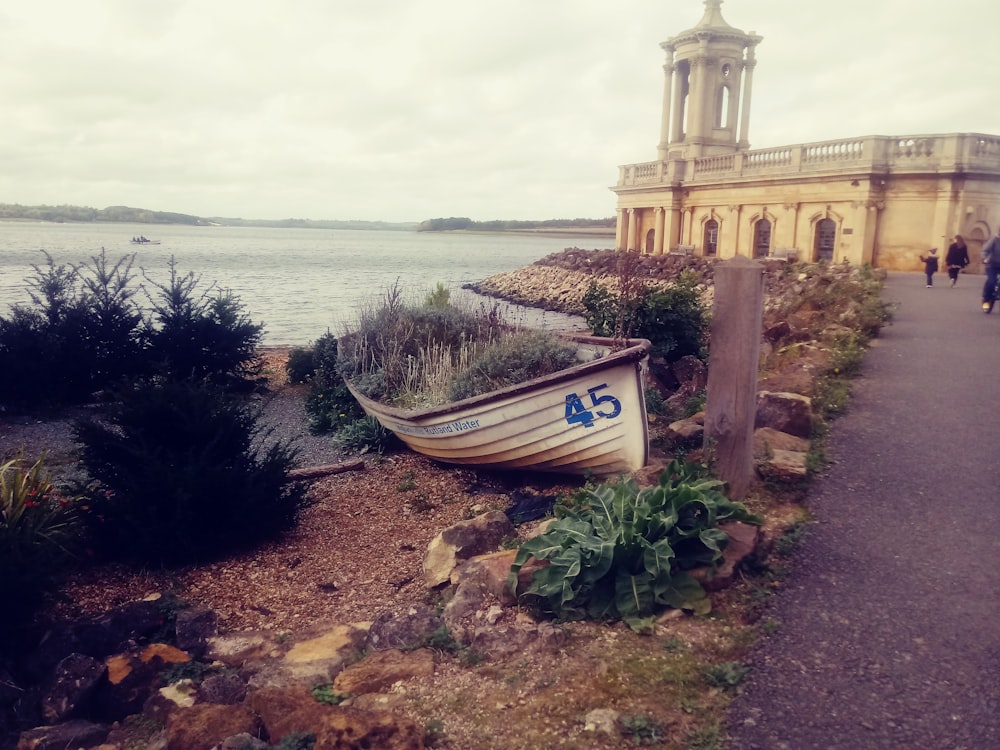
{"x":577,"y":413}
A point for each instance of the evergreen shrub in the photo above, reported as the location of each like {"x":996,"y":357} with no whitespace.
{"x":184,"y":472}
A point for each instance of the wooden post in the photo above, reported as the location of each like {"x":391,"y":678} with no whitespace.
{"x":731,"y":399}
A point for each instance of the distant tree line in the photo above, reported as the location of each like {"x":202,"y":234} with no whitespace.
{"x":122,"y":214}
{"x":498,"y":225}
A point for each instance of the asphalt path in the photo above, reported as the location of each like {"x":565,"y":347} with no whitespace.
{"x":888,"y":628}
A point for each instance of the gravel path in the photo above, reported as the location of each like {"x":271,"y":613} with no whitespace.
{"x":889,"y":626}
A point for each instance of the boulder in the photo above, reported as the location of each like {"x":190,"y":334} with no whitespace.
{"x":74,"y":683}
{"x":743,"y":544}
{"x":206,"y":725}
{"x":70,"y":734}
{"x":462,"y":541}
{"x":785,"y":412}
{"x":786,"y":467}
{"x":194,"y":627}
{"x":766,"y":440}
{"x":410,"y":629}
{"x":380,"y":670}
{"x":284,"y":711}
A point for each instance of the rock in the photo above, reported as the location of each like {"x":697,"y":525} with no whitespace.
{"x":786,"y":467}
{"x":766,"y":440}
{"x":70,"y":734}
{"x":194,"y":627}
{"x":243,"y":741}
{"x":226,"y":689}
{"x":743,"y":544}
{"x":381,"y":669}
{"x":205,"y":725}
{"x":603,"y":720}
{"x":494,"y":644}
{"x":74,"y":683}
{"x":310,"y":662}
{"x":295,"y":710}
{"x":685,"y":432}
{"x":462,"y":541}
{"x":411,"y":629}
{"x":785,"y":412}
{"x":234,"y":649}
{"x":339,"y":642}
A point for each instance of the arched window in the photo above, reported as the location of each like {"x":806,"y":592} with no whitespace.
{"x":762,"y":238}
{"x":722,"y":108}
{"x":825,"y":240}
{"x":650,"y":237}
{"x":711,"y":242}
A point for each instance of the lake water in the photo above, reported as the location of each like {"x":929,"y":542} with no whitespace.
{"x":298,"y":283}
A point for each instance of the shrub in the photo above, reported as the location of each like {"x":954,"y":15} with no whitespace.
{"x":623,"y":553}
{"x":202,"y":335}
{"x":82,"y":332}
{"x":182,"y":472}
{"x":38,"y":532}
{"x":329,"y":404}
{"x":300,"y":365}
{"x":673,"y":318}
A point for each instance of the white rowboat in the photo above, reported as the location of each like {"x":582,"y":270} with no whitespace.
{"x":586,"y":419}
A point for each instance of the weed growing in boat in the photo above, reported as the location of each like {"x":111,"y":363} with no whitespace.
{"x":416,"y":356}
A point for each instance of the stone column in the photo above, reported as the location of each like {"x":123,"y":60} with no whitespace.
{"x":678,"y":133}
{"x":658,"y":231}
{"x":731,"y":400}
{"x":619,"y":228}
{"x":630,"y":240}
{"x":668,"y":76}
{"x":748,"y":67}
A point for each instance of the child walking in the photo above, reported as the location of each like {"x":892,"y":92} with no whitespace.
{"x":930,"y":266}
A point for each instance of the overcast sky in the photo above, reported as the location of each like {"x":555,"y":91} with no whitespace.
{"x":399,"y":110}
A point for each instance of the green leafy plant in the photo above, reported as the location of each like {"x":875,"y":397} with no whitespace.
{"x":185,"y":472}
{"x":623,"y":553}
{"x":643,"y":730}
{"x":329,"y":404}
{"x":365,"y":435}
{"x":38,"y":531}
{"x":326,"y":694}
{"x":726,"y":675}
{"x":673,"y":318}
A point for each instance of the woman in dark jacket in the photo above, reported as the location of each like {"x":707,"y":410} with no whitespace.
{"x":957,"y":258}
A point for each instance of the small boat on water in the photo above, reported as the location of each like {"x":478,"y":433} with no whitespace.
{"x":587,"y":419}
{"x":143,"y":241}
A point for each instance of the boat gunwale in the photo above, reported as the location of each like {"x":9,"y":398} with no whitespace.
{"x":635,"y":351}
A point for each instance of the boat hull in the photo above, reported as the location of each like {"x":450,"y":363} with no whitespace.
{"x":587,"y":419}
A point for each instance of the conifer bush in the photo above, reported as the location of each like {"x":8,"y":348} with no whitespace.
{"x":184,"y":472}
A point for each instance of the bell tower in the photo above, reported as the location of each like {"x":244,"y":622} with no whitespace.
{"x":706,"y":88}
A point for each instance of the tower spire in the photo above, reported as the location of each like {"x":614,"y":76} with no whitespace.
{"x":713,"y":15}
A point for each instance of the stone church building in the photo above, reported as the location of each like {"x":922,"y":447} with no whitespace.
{"x":876,"y":199}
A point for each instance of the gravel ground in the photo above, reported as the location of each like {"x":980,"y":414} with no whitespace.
{"x":887,"y":632}
{"x":357,"y":551}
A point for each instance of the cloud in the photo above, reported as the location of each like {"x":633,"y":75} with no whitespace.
{"x":402,"y":111}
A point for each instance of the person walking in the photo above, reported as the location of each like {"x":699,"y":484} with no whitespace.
{"x":930,"y":266}
{"x":957,"y":258}
{"x":991,"y":263}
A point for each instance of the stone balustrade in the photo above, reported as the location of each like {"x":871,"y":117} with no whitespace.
{"x":963,"y":152}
